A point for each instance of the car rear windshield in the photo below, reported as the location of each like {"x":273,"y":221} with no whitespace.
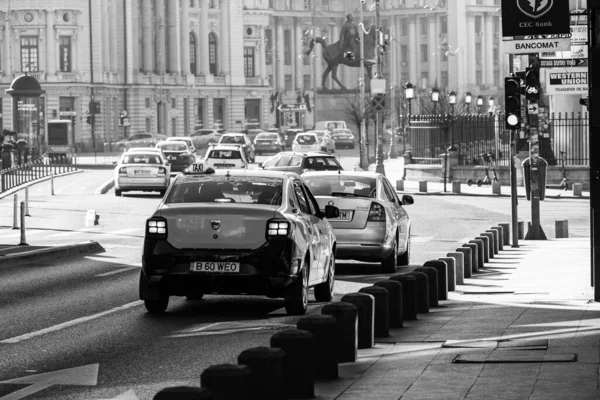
{"x":232,"y":139}
{"x":141,"y":159}
{"x":306,"y":139}
{"x":225,"y":154}
{"x":173,"y":147}
{"x":267,"y":136}
{"x":341,"y":185}
{"x":223,"y":189}
{"x":322,"y":164}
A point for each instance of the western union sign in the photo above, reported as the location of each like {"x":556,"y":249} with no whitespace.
{"x":567,"y":81}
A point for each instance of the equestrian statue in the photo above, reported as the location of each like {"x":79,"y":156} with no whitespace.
{"x":347,"y":51}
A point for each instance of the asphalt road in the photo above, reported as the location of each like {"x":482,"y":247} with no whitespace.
{"x":85,"y":313}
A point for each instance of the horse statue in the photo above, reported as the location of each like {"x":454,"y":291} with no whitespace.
{"x":347,"y":51}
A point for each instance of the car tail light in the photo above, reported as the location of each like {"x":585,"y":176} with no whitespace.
{"x":278,"y":229}
{"x":156,"y":227}
{"x":376,"y":213}
{"x":123,"y":171}
{"x":162,"y":171}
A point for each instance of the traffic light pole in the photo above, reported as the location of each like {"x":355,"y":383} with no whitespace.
{"x":379,"y":122}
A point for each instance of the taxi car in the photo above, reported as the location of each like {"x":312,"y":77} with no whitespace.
{"x":343,"y":137}
{"x":242,"y":140}
{"x":177,"y":153}
{"x":373,"y":225}
{"x":301,"y":162}
{"x":238,"y":232}
{"x":306,"y":142}
{"x":268,"y":143}
{"x":225,"y":157}
{"x":139,"y":170}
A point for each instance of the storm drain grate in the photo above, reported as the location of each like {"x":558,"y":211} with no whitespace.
{"x":507,"y":345}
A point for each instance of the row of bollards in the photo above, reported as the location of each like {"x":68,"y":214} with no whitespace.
{"x":312,"y":352}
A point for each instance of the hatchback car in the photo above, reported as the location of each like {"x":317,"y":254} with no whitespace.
{"x":301,"y":162}
{"x":268,"y":143}
{"x":238,"y":232}
{"x":187,"y":139}
{"x":373,"y":225}
{"x":139,"y":140}
{"x":203,"y":137}
{"x":306,"y":142}
{"x":343,"y":138}
{"x":225,"y":157}
{"x":177,"y":153}
{"x":146,"y":171}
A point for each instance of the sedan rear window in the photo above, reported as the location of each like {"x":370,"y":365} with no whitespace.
{"x":306,"y":139}
{"x":225,"y":154}
{"x":173,"y":147}
{"x":142,"y":159}
{"x":232,"y":139}
{"x":336,"y":185}
{"x":322,"y":164}
{"x":223,"y":189}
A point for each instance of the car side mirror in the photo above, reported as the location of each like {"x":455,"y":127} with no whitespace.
{"x":260,"y":165}
{"x":332,"y":212}
{"x":114,"y":163}
{"x":167,"y":164}
{"x":407,"y":200}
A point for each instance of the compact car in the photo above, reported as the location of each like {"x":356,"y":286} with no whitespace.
{"x":306,"y":142}
{"x":301,"y":162}
{"x":187,"y":139}
{"x":146,"y":171}
{"x":139,"y":140}
{"x":238,"y":232}
{"x":253,"y":133}
{"x":226,"y":156}
{"x":203,"y":137}
{"x":268,"y":143}
{"x":242,"y":140}
{"x":373,"y":225}
{"x":177,"y":153}
{"x":343,"y":138}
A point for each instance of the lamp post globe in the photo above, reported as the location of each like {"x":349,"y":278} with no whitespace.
{"x":491,"y":104}
{"x":479,"y":103}
{"x":435,"y":98}
{"x":409,"y":94}
{"x":468,"y":100}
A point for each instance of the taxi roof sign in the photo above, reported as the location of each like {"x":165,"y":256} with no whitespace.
{"x":198,"y":169}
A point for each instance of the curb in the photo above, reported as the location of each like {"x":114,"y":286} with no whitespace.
{"x":31,"y":183}
{"x":80,"y":249}
{"x":95,"y":166}
{"x":490,"y":195}
{"x":105,"y":187}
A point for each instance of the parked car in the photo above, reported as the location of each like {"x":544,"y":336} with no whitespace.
{"x":307,"y":141}
{"x":146,"y":171}
{"x":290,"y":135}
{"x":226,"y":156}
{"x":139,"y":140}
{"x":343,"y":138}
{"x":373,"y":225}
{"x":177,"y":153}
{"x":187,"y":139}
{"x":326,"y":141}
{"x":252,"y":133}
{"x":239,"y":139}
{"x":301,"y":162}
{"x":268,"y":143}
{"x":203,"y":137}
{"x":238,"y":232}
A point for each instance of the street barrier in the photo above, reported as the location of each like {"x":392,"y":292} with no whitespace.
{"x":227,"y":381}
{"x":423,"y":186}
{"x":480,"y":253}
{"x":451,"y":263}
{"x":459,"y":267}
{"x":21,"y":174}
{"x":394,"y":289}
{"x":496,"y":188}
{"x":324,"y":331}
{"x":491,"y":244}
{"x":467,"y":261}
{"x":494,"y":240}
{"x":298,"y":362}
{"x":432,"y":277}
{"x":23,"y":240}
{"x":346,"y":316}
{"x":365,"y":307}
{"x":456,"y":187}
{"x":521,"y":229}
{"x":499,"y":237}
{"x":266,"y":371}
{"x":27,"y":202}
{"x":577,"y":189}
{"x":15,"y":212}
{"x":422,"y":292}
{"x":505,"y":233}
{"x":409,"y":295}
{"x":442,"y":277}
{"x":486,"y":248}
{"x":382,"y":312}
{"x":561,"y":228}
{"x":183,"y":393}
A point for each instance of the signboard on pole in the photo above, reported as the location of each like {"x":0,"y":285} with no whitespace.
{"x":567,"y":81}
{"x":537,"y":44}
{"x":578,"y":50}
{"x":562,"y":63}
{"x":534,"y":17}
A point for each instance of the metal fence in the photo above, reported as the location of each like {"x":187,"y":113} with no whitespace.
{"x":24,"y":173}
{"x":474,"y":135}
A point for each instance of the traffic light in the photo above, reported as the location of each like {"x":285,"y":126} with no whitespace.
{"x":88,"y":117}
{"x":512,"y":101}
{"x":532,"y":84}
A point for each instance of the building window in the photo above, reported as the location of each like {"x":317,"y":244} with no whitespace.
{"x":424,"y":53}
{"x":269,"y":46}
{"x":424,"y":27}
{"x":64,"y":51}
{"x":444,"y":27}
{"x":445,"y":79}
{"x":66,"y":105}
{"x":219,"y":113}
{"x":148,"y":124}
{"x":271,"y":3}
{"x":212,"y":4}
{"x":193,"y":54}
{"x":307,"y":82}
{"x":29,"y":54}
{"x":288,"y":82}
{"x":174,"y":102}
{"x":173,"y":126}
{"x":478,"y":53}
{"x":186,"y":117}
{"x":198,"y":114}
{"x":404,"y":77}
{"x":249,"y":62}
{"x":478,"y":25}
{"x":147,"y":102}
{"x":192,"y":3}
{"x":325,"y":6}
{"x":287,"y":47}
{"x":478,"y":78}
{"x":404,"y":27}
{"x":424,"y":79}
{"x":404,"y":52}
{"x":212,"y":53}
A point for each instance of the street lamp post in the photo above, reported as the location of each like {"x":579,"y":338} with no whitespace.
{"x":452,"y":101}
{"x":468,"y":100}
{"x":409,"y":94}
{"x":364,"y":150}
{"x":479,"y":104}
{"x":435,"y":97}
{"x":379,"y":167}
{"x":393,"y":150}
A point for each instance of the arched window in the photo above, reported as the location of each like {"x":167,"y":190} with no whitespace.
{"x":212,"y":53}
{"x":193,"y":70}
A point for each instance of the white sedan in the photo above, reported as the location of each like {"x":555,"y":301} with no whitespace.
{"x":145,"y":171}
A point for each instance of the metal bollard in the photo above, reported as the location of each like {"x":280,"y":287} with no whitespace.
{"x":365,"y":307}
{"x":459,"y":267}
{"x":227,"y":381}
{"x":23,"y":241}
{"x":394,"y":289}
{"x":298,"y":371}
{"x":183,"y":393}
{"x":15,"y":212}
{"x":27,"y":202}
{"x":480,"y":252}
{"x":442,"y":277}
{"x":266,"y":371}
{"x":382,"y":309}
{"x":422,"y":292}
{"x":432,"y":277}
{"x":451,"y":263}
{"x":324,"y":331}
{"x":52,"y":183}
{"x":409,"y":295}
{"x":346,"y":316}
{"x":467,"y":259}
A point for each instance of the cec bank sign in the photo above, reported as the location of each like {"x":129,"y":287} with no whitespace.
{"x":535,"y":26}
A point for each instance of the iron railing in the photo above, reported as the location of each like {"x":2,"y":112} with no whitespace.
{"x":474,"y":135}
{"x":31,"y":171}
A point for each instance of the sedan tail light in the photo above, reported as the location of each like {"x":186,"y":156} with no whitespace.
{"x":162,"y":171}
{"x":123,"y":171}
{"x":156,"y":227}
{"x":278,"y":229}
{"x":376,"y":213}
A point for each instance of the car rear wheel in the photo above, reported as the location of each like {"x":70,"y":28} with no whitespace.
{"x":296,"y":298}
{"x":157,"y":306}
{"x":162,"y":193}
{"x":389,"y":264}
{"x":118,"y":193}
{"x":324,"y":291}
{"x":404,"y":259}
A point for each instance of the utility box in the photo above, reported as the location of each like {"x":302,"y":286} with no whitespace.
{"x":542,"y":167}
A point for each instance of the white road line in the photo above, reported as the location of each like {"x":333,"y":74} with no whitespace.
{"x":421,"y":239}
{"x":68,"y":324}
{"x":124,"y":231}
{"x":63,"y":234}
{"x":118,"y":271}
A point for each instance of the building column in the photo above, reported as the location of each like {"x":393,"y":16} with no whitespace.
{"x":185,"y":37}
{"x":432,"y":46}
{"x":203,"y":56}
{"x":224,"y":40}
{"x":489,"y":49}
{"x":171,"y":23}
{"x":147,"y":51}
{"x":50,"y":44}
{"x":413,"y":51}
{"x":262,"y":55}
{"x":298,"y":56}
{"x":279,"y":55}
{"x":471,"y":52}
{"x":160,"y":36}
{"x":106,"y":43}
{"x":113,"y":36}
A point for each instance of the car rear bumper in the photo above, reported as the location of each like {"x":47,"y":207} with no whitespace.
{"x":270,"y":148}
{"x":369,"y":244}
{"x":142,"y":183}
{"x":344,"y":142}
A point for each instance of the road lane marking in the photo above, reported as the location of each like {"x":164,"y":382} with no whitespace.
{"x":421,"y":239}
{"x":118,"y":271}
{"x":31,"y":335}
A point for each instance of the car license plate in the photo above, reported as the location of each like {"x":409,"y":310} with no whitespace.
{"x":216,"y":266}
{"x":345,"y":215}
{"x":141,"y":172}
